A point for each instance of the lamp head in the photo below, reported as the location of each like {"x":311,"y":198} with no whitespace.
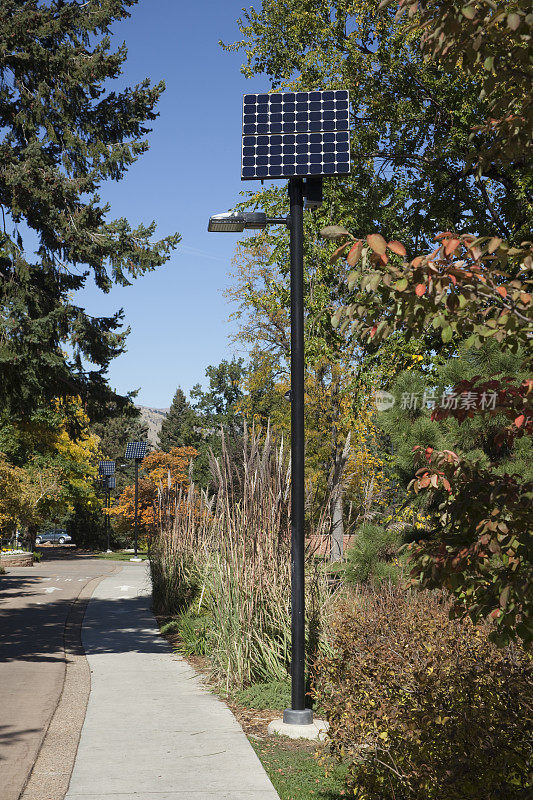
{"x":237,"y":221}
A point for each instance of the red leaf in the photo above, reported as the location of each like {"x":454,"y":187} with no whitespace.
{"x":453,"y":279}
{"x":397,"y":247}
{"x":519,"y":421}
{"x":373,"y":331}
{"x":502,"y":291}
{"x":355,"y":254}
{"x":421,"y":289}
{"x":451,"y":245}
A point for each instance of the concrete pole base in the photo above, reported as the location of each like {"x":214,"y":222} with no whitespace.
{"x":315,"y":730}
{"x":135,"y":559}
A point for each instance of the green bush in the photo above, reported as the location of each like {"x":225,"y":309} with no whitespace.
{"x":271,"y":694}
{"x":423,"y":707}
{"x":373,"y":556}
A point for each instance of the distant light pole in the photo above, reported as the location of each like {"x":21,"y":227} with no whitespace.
{"x":106,"y":470}
{"x":302,"y":136}
{"x":136,"y":451}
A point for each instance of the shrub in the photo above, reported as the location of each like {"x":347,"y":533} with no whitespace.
{"x":424,"y":707}
{"x":373,"y":556}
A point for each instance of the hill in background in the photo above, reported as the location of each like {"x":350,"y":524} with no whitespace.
{"x":153,"y":418}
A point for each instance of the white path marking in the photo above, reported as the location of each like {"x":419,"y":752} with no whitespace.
{"x":52,"y":589}
{"x":124,"y":588}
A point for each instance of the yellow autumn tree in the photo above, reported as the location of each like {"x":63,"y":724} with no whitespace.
{"x":51,"y":468}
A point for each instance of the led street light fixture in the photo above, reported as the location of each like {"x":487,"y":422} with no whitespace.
{"x":237,"y":221}
{"x":106,"y":467}
{"x":290,"y":134}
{"x":136,"y":450}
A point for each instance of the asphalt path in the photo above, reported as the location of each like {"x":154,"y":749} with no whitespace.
{"x":35,"y":603}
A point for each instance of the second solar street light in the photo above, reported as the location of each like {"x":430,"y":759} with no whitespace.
{"x":136,"y":451}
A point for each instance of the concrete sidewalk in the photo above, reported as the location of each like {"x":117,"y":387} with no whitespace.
{"x":152,"y":730}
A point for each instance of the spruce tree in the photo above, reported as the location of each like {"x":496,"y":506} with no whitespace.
{"x":64,"y":131}
{"x":177,"y":429}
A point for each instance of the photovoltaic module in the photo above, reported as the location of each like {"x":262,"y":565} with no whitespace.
{"x":136,"y":450}
{"x":106,"y":467}
{"x":292,"y":134}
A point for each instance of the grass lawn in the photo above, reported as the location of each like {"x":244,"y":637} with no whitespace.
{"x":295,"y":771}
{"x":119,"y":555}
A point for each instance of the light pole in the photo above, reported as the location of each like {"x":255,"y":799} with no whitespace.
{"x":106,"y":470}
{"x":302,"y":137}
{"x":236,"y":222}
{"x":136,"y":451}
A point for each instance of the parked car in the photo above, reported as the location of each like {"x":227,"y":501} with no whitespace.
{"x":58,"y":536}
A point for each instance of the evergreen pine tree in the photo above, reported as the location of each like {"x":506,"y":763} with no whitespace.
{"x":64,"y":131}
{"x":177,"y":429}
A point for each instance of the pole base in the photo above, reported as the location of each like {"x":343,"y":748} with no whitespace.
{"x":315,"y":730}
{"x":301,"y":717}
{"x":135,"y":559}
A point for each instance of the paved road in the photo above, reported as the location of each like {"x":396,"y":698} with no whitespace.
{"x":34,"y":605}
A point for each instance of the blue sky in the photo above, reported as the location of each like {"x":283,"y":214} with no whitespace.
{"x":178,"y":315}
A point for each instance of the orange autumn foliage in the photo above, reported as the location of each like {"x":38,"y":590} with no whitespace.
{"x":158,"y":471}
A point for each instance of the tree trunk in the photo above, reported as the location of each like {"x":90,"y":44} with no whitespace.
{"x":337,"y":528}
{"x":336,"y":487}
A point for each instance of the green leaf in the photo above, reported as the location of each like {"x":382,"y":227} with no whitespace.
{"x":352,"y":280}
{"x":333,"y":232}
{"x":468,"y":11}
{"x":446,"y":334}
{"x":400,"y":285}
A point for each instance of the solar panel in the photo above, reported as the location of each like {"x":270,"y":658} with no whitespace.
{"x":106,"y":467}
{"x":111,"y":482}
{"x":136,"y":450}
{"x":292,"y":134}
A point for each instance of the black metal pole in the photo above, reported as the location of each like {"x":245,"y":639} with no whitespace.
{"x":108,"y":506}
{"x":298,"y":714}
{"x":136,"y":503}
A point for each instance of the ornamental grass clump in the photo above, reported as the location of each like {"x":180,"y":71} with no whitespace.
{"x":424,"y":707}
{"x":228,"y":558}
